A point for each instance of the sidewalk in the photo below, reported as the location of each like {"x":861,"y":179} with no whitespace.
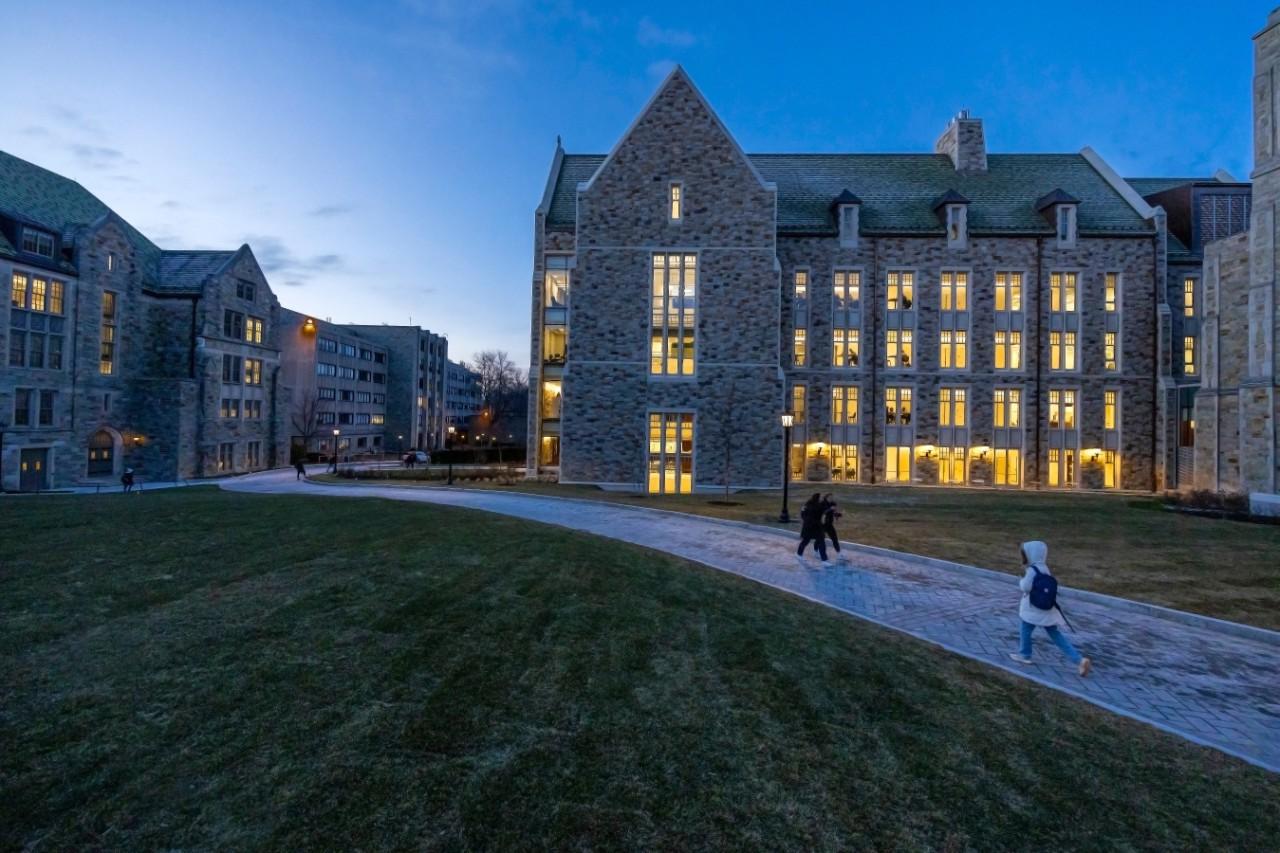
{"x":1186,"y":676}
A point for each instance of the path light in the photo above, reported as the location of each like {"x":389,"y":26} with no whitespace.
{"x":788,"y":420}
{"x":336,"y":432}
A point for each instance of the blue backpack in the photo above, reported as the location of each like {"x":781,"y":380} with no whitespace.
{"x":1044,"y":590}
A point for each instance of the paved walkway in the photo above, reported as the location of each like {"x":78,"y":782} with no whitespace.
{"x":1195,"y":681}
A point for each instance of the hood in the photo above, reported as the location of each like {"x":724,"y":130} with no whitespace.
{"x":1037,"y":552}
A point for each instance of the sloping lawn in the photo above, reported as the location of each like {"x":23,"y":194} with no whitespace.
{"x":201,"y":670}
{"x":1122,"y":545}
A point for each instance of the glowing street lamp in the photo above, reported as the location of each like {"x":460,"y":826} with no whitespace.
{"x":788,"y":421}
{"x":336,"y":432}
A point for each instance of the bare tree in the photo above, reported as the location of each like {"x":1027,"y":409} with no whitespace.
{"x":306,"y":419}
{"x":500,"y":382}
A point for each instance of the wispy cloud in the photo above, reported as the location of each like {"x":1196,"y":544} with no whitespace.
{"x":98,"y":156}
{"x":650,"y":34}
{"x":75,"y":120}
{"x":292,"y":270}
{"x":171,"y":204}
{"x":325,"y":211}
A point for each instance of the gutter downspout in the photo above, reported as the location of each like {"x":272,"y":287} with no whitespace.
{"x":1039,"y":355}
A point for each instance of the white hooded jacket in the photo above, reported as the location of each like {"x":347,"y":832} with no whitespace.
{"x":1036,"y":552}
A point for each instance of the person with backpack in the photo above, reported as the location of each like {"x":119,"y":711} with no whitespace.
{"x":811,"y":529}
{"x":1039,"y":608}
{"x":830,"y":512}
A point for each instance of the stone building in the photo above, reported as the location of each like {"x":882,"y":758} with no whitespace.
{"x":1198,"y":210}
{"x":954,"y":317}
{"x":337,"y":378}
{"x":417,"y":362}
{"x":1238,"y":403}
{"x":118,"y":354}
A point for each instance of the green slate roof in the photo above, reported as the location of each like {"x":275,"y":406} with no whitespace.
{"x":59,"y":204}
{"x":898,"y":191}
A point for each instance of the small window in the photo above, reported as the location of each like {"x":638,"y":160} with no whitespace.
{"x":37,"y":242}
{"x":1188,"y":297}
{"x":111,"y":261}
{"x":1111,"y":292}
{"x":1066,"y":225}
{"x":246,"y":290}
{"x":801,"y":285}
{"x":849,"y":226}
{"x":677,"y":202}
{"x":957,"y":226}
{"x":1189,"y":355}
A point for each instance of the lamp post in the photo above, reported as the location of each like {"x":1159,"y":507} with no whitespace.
{"x":788,"y":420}
{"x":336,"y":432}
{"x":448,"y":452}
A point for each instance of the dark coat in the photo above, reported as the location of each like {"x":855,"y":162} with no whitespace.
{"x":829,"y":514}
{"x":811,"y":521}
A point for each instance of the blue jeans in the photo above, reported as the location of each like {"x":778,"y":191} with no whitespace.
{"x":1059,"y":639}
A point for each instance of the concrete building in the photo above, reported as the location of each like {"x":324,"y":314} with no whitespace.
{"x":415,"y":384}
{"x":1238,"y":403}
{"x":954,"y":317}
{"x":337,"y":377}
{"x":118,"y":354}
{"x":462,"y":395}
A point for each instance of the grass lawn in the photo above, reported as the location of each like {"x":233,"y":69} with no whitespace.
{"x":1122,"y":545}
{"x":197,"y":669}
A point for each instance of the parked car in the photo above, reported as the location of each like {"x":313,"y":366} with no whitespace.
{"x":420,"y":457}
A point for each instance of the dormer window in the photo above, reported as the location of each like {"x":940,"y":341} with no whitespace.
{"x":846,"y":206}
{"x":1066,"y":225}
{"x":957,"y":226}
{"x":676,"y":202}
{"x":37,"y":242}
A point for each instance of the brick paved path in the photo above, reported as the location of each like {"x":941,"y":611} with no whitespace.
{"x":1192,"y":680}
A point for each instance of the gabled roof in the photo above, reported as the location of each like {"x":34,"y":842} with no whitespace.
{"x":897,"y":191}
{"x":1152,"y":186}
{"x":845,"y":197}
{"x":1053,"y":198}
{"x":948,"y":197}
{"x":186,"y":271}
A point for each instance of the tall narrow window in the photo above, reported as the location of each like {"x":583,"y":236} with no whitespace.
{"x":898,"y":348}
{"x":955,"y":291}
{"x":677,"y":202}
{"x":899,"y":291}
{"x":953,"y":354}
{"x":253,"y":330}
{"x":1109,"y":409}
{"x":799,"y":348}
{"x":18,"y":291}
{"x":1008,"y":350}
{"x":1110,"y":292}
{"x":798,"y":403}
{"x":1062,"y":292}
{"x":233,"y":325}
{"x":897,"y":406}
{"x":555,"y":281}
{"x":1109,"y":351}
{"x":1008,"y":291}
{"x":801,"y":285}
{"x":1064,"y":320}
{"x":844,"y":405}
{"x":107,"y":349}
{"x":1066,"y":225}
{"x":1189,"y":355}
{"x":1188,"y":297}
{"x":1062,"y":409}
{"x":849,"y":226}
{"x":672,"y":329}
{"x":1007,"y":408}
{"x":39,"y":294}
{"x":846,"y":289}
{"x":957,"y":226}
{"x":844,"y":347}
{"x":952,"y":407}
{"x":1007,"y":353}
{"x":670,"y":457}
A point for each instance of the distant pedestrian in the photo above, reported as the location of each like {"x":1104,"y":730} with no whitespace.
{"x":1039,"y":607}
{"x":811,"y":529}
{"x":830,"y":512}
{"x":126,"y":480}
{"x":301,"y":468}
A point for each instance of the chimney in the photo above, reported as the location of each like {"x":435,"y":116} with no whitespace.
{"x":964,"y":143}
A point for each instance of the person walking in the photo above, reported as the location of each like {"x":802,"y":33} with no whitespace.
{"x":830,"y":512}
{"x":1039,"y":608}
{"x":126,"y":480}
{"x":811,"y":529}
{"x":301,"y":468}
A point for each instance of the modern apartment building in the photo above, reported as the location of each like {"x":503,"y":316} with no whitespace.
{"x":338,"y":382}
{"x":118,"y":354}
{"x":462,"y":395}
{"x":1199,"y":210}
{"x":417,"y":362}
{"x":953,"y":317}
{"x":1237,"y":442}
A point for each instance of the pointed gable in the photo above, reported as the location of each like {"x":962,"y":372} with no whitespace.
{"x":677,"y":139}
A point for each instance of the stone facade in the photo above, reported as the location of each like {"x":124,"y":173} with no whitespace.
{"x":1237,"y":406}
{"x":603,"y":220}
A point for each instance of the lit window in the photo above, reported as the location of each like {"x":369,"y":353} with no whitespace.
{"x":951,"y":407}
{"x":1008,"y":351}
{"x":39,"y":293}
{"x":898,"y":293}
{"x":1189,"y":297}
{"x":844,"y":347}
{"x":677,"y":201}
{"x":107,"y":350}
{"x":801,"y":285}
{"x":898,"y":348}
{"x":1062,"y":409}
{"x":1109,"y":403}
{"x":670,"y":457}
{"x":55,"y":297}
{"x":953,"y":351}
{"x":253,"y":330}
{"x":798,"y":403}
{"x":1008,"y":466}
{"x":1189,"y":354}
{"x":555,"y":282}
{"x":897,"y":406}
{"x":1062,"y":350}
{"x":844,"y":405}
{"x":111,"y":261}
{"x":955,"y":291}
{"x":897,"y":464}
{"x":1111,"y":469}
{"x":844,"y":463}
{"x":957,"y":226}
{"x":253,"y":371}
{"x":1006,"y":408}
{"x":1062,"y":291}
{"x":798,"y":348}
{"x":1109,"y":350}
{"x":846,"y":289}
{"x":1111,"y":291}
{"x":674,"y":316}
{"x":1008,"y":291}
{"x":18,"y":291}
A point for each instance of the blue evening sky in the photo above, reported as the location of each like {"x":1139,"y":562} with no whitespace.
{"x":384,"y":159}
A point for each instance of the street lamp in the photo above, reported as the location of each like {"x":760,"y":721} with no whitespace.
{"x":448,"y":448}
{"x":336,"y":432}
{"x":788,"y":420}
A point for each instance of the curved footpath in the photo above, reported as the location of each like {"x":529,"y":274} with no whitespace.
{"x":1214,"y":683}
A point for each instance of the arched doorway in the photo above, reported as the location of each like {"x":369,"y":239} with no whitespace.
{"x":102,"y":446}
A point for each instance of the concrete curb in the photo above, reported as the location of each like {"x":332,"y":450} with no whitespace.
{"x":1182,"y":617}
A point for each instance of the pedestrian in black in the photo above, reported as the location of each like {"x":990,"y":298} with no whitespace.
{"x":126,"y":480}
{"x":811,"y":529}
{"x":300,"y":468}
{"x":830,"y":512}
